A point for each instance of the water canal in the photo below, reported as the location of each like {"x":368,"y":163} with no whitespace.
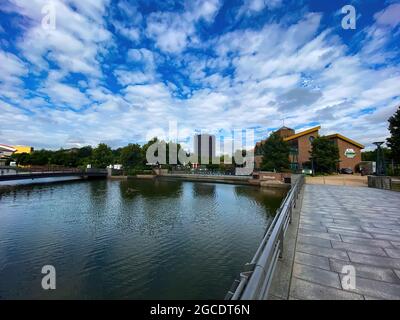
{"x":133,"y":239}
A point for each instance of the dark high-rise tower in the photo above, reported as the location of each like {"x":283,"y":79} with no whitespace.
{"x":204,"y":148}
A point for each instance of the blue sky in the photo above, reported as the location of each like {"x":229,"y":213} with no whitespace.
{"x":119,"y":71}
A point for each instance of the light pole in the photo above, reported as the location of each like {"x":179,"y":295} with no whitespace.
{"x":380,"y":165}
{"x":312,"y":166}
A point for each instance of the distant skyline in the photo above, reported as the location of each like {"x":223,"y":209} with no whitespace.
{"x":114,"y":71}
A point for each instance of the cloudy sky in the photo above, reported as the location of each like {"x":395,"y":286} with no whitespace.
{"x":117,"y":71}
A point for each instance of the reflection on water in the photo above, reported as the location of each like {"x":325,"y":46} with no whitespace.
{"x":133,"y":239}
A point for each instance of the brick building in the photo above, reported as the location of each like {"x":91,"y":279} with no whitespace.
{"x":300,"y":147}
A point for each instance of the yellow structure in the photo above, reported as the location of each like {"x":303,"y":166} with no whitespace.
{"x":23,"y":149}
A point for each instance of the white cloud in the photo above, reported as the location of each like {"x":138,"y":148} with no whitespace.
{"x":142,"y":56}
{"x":74,"y":44}
{"x":65,"y":95}
{"x":126,"y":77}
{"x":145,"y":68}
{"x":250,"y":7}
{"x":132,"y":33}
{"x":246,"y":78}
{"x":390,"y":16}
{"x":11,"y":68}
{"x":173,"y":32}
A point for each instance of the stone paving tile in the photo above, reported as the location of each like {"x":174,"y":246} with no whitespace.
{"x":378,"y":219}
{"x":381,"y":230}
{"x":365,"y":271}
{"x":374,"y":260}
{"x":359,"y":248}
{"x":314,"y":241}
{"x":341,"y":226}
{"x":350,"y":233}
{"x":312,"y":227}
{"x":389,"y":226}
{"x":371,"y":298}
{"x":311,"y":223}
{"x":317,"y":275}
{"x":378,"y":289}
{"x":388,"y":237}
{"x":323,"y":252}
{"x":272,"y":297}
{"x":312,"y":260}
{"x":305,"y":290}
{"x":312,"y":220}
{"x":319,"y":234}
{"x":367,"y":242}
{"x":393,"y":253}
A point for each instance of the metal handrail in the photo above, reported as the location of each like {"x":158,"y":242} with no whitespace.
{"x":48,"y":169}
{"x":256,"y":279}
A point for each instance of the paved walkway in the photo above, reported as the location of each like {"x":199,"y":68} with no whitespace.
{"x":341,"y":226}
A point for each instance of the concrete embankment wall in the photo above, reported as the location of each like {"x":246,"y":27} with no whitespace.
{"x":265,"y":180}
{"x":219,"y":179}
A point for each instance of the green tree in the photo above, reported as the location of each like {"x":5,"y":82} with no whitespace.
{"x":131,"y":156}
{"x":102,"y":156}
{"x":85,"y":152}
{"x":40,"y":157}
{"x":325,"y":155}
{"x":371,"y":155}
{"x":275,"y":152}
{"x":22,"y":158}
{"x":394,"y":141}
{"x":66,"y":158}
{"x":84,"y":155}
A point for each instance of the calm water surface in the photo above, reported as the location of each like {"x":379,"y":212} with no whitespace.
{"x":134,"y":239}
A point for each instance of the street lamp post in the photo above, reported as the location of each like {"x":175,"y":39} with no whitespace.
{"x":312,"y":165}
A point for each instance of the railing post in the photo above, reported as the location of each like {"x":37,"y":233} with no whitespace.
{"x":281,"y":243}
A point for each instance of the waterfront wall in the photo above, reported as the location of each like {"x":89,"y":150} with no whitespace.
{"x":210,"y":178}
{"x":261,"y":179}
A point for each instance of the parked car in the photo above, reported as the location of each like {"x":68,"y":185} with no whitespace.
{"x":307,"y":171}
{"x":346,"y":171}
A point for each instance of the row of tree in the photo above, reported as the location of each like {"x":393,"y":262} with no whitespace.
{"x":132,"y":157}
